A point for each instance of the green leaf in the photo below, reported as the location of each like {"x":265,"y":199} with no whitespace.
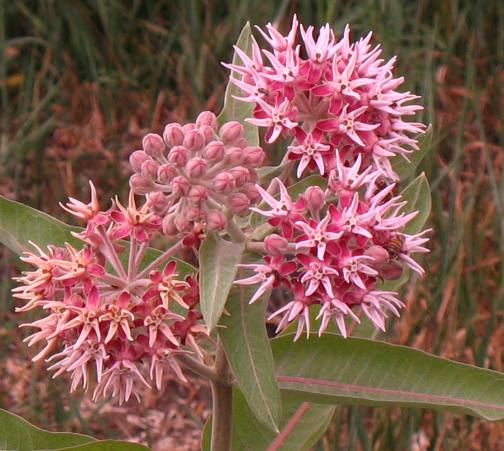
{"x":218,"y":265}
{"x":302,"y":424}
{"x":418,"y":195}
{"x":249,"y":353}
{"x":107,"y":445}
{"x":335,"y":370}
{"x":20,"y":224}
{"x":300,"y":187}
{"x":236,"y":110}
{"x":206,"y":435}
{"x":405,"y":169}
{"x":17,"y":434}
{"x":266,"y":173}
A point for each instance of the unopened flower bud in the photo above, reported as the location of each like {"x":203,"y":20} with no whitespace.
{"x":141,"y":185}
{"x":223,"y":182}
{"x":197,"y":194}
{"x":390,"y":270}
{"x":188,"y":127}
{"x":196,"y":167}
{"x":315,"y":199}
{"x":230,"y":132}
{"x":193,"y":213}
{"x":178,"y":156}
{"x":173,"y":135}
{"x":208,"y":133}
{"x":166,"y":173}
{"x":276,"y":245}
{"x":206,"y":118}
{"x":250,"y":190}
{"x":137,"y":158}
{"x":169,"y":225}
{"x":234,"y":155}
{"x":240,"y":174}
{"x":149,"y":169}
{"x":241,"y":143}
{"x":194,"y":140}
{"x":157,"y":202}
{"x":379,"y":253}
{"x":214,"y":151}
{"x":239,"y":203}
{"x":253,"y":175}
{"x":216,"y":220}
{"x":180,"y":186}
{"x":153,"y":145}
{"x":254,"y":156}
{"x":181,"y":223}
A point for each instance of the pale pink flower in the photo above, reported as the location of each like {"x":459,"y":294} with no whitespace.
{"x":108,"y":318}
{"x":338,"y":310}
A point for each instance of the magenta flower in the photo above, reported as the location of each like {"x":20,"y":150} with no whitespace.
{"x":309,"y":151}
{"x":267,"y":275}
{"x":278,"y":118}
{"x":318,"y":235}
{"x":317,"y":274}
{"x":296,"y":309}
{"x":284,"y":212}
{"x":341,"y":92}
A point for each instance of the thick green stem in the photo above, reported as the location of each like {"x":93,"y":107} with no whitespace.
{"x":198,"y":368}
{"x":222,"y":405}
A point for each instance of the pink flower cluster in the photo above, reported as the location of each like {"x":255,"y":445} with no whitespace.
{"x":191,"y":175}
{"x":116,"y":317}
{"x":334,"y":253}
{"x":339,"y":105}
{"x":108,"y":310}
{"x":328,"y":95}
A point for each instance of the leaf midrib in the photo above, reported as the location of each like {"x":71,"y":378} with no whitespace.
{"x":249,"y":355}
{"x":386,"y":391}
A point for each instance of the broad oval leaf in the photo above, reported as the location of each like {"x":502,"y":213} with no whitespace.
{"x":20,"y":224}
{"x":335,"y":370}
{"x":418,"y":195}
{"x":301,"y":426}
{"x":249,"y":353}
{"x":18,"y":434}
{"x":236,"y":110}
{"x":405,"y":168}
{"x":218,"y":266}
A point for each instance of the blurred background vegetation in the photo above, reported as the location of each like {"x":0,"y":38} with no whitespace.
{"x":82,"y":81}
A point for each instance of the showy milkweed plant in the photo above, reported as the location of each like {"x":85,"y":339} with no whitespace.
{"x":288,"y":210}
